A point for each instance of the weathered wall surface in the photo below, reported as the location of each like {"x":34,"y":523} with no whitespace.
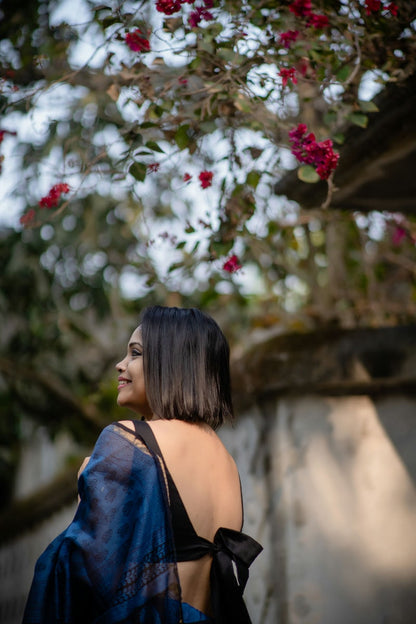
{"x":325,"y":443}
{"x":330,"y":491}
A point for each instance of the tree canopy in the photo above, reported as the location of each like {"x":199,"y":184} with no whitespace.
{"x":141,"y":145}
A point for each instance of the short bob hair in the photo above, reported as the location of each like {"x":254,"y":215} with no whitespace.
{"x":186,"y":365}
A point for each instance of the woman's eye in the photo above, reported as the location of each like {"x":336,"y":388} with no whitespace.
{"x":135,"y":353}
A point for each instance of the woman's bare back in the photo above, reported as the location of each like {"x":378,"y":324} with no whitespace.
{"x":207,"y":480}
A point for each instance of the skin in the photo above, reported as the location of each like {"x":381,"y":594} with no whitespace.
{"x":204,"y":472}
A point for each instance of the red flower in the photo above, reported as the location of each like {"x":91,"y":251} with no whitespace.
{"x":205,"y":177}
{"x":307,"y":150}
{"x":51,"y":199}
{"x":28,"y":217}
{"x":288,"y":74}
{"x":153,"y":167}
{"x":392,"y":8}
{"x":301,"y":8}
{"x":399,"y":235}
{"x":288,"y":37}
{"x":136,"y":42}
{"x":198,"y":15}
{"x":168,"y":7}
{"x":372,"y":6}
{"x":183,"y":81}
{"x":186,"y":177}
{"x":232,"y":264}
{"x":318,"y":21}
{"x":3,"y":132}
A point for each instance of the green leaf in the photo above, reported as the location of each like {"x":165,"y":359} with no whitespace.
{"x":181,"y":245}
{"x":358,"y":119}
{"x":154,"y":146}
{"x":138,"y":171}
{"x":253,"y":178}
{"x":368,"y":107}
{"x":182,"y":137}
{"x":339,"y":138}
{"x":343,"y":73}
{"x":307,"y":173}
{"x":189,"y":229}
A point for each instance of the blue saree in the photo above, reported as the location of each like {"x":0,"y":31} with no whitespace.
{"x":115,"y":563}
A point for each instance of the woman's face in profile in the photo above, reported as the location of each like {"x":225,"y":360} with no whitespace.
{"x":131,"y":387}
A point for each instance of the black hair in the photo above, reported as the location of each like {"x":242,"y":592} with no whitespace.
{"x":186,"y":365}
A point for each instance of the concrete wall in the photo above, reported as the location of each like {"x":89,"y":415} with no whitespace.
{"x":329,"y":490}
{"x":329,"y":485}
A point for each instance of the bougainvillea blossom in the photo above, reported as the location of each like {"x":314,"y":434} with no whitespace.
{"x":372,"y":6}
{"x":393,"y":9}
{"x":136,"y":41}
{"x":187,"y":177}
{"x":288,"y":74}
{"x":288,"y":37}
{"x":168,"y":7}
{"x":198,"y":15}
{"x":232,"y":264}
{"x":318,"y":21}
{"x":28,"y":218}
{"x":307,"y":150}
{"x":205,"y":177}
{"x":52,"y":198}
{"x":301,"y":8}
{"x":153,"y":167}
{"x":399,"y":235}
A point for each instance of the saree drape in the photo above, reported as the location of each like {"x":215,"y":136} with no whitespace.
{"x":115,"y":563}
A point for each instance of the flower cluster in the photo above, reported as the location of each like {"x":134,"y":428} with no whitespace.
{"x":375,"y":6}
{"x":137,"y":42}
{"x":168,"y":7}
{"x":311,"y":152}
{"x":232,"y":264}
{"x":288,"y":37}
{"x":288,"y":74}
{"x":52,"y":198}
{"x":303,"y":9}
{"x":201,"y":13}
{"x":205,"y":177}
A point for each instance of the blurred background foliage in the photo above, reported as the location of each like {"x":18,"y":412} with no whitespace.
{"x":122,"y":128}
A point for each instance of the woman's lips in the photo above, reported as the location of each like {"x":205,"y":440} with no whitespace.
{"x":122,"y":383}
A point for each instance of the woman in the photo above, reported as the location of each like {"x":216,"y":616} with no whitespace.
{"x":157,"y":534}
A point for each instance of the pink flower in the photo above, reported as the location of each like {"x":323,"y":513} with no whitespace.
{"x":372,"y":6}
{"x":318,"y":21}
{"x":52,"y":198}
{"x":288,"y":37}
{"x":301,"y":8}
{"x":198,"y":15}
{"x":136,"y":42}
{"x":311,"y":152}
{"x":205,"y":177}
{"x":392,"y":8}
{"x":168,"y":7}
{"x":183,"y":81}
{"x":288,"y":74}
{"x":399,"y":235}
{"x":186,"y":177}
{"x":28,"y":217}
{"x":232,"y":264}
{"x":153,"y":167}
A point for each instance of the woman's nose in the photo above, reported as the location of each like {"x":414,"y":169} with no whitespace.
{"x":121,"y":365}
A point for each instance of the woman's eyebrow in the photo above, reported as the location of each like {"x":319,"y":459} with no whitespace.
{"x":133,"y":344}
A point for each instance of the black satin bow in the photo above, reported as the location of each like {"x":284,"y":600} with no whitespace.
{"x":233,"y":552}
